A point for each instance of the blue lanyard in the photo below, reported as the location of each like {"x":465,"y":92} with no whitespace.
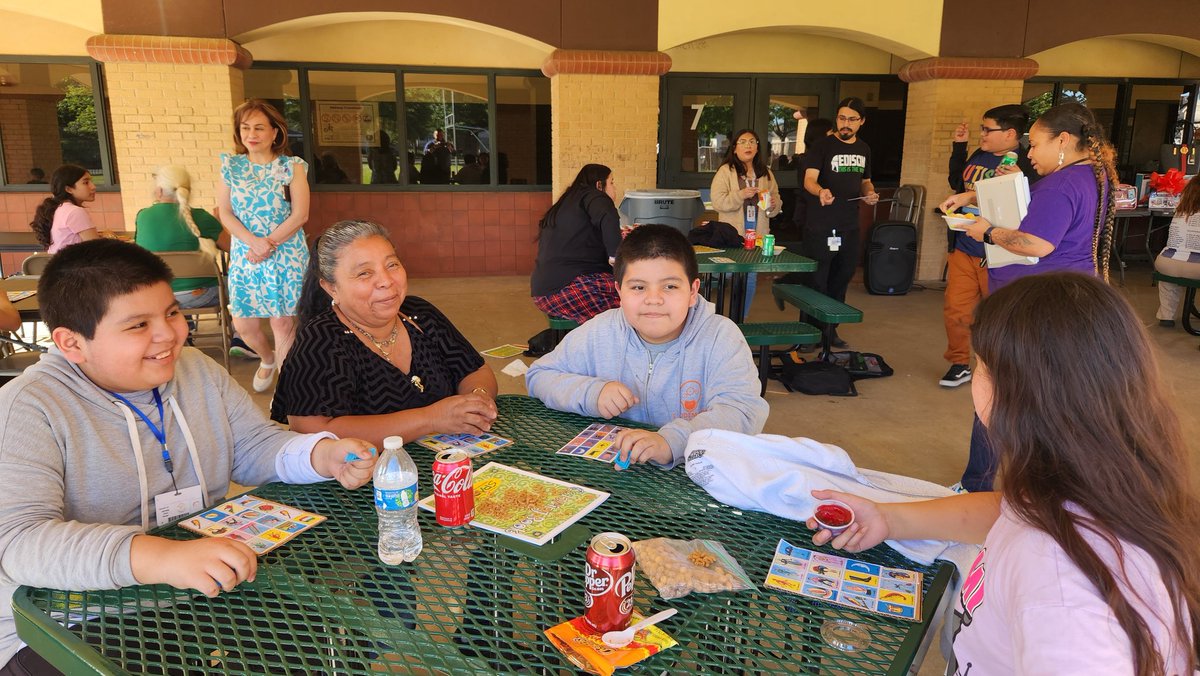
{"x":159,"y":433}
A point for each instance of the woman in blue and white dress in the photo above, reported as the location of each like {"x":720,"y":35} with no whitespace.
{"x":264,"y":206}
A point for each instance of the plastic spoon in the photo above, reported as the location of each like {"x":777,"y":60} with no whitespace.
{"x":620,"y":639}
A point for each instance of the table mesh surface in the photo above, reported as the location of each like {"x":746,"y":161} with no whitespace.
{"x":469,"y":604}
{"x":752,"y":260}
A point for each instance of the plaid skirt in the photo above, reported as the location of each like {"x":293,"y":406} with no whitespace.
{"x":585,"y":297}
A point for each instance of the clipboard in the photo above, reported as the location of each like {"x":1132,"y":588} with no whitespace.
{"x":1004,"y":202}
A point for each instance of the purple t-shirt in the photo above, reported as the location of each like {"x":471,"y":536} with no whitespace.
{"x":1062,"y":211}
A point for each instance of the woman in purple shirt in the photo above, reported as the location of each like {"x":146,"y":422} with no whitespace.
{"x":1070,"y":221}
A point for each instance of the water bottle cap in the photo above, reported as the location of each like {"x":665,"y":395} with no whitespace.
{"x":393,"y":443}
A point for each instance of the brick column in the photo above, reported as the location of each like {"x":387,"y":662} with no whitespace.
{"x":170,"y":101}
{"x":604,"y":109}
{"x":943,"y":92}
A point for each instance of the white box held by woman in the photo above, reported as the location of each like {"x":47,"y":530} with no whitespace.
{"x":1004,"y":202}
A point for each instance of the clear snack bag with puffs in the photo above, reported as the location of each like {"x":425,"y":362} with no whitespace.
{"x":679,"y":567}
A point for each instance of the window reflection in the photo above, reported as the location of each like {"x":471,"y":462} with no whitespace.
{"x":354,"y":124}
{"x":447,"y":123}
{"x":707,"y":126}
{"x":47,"y":119}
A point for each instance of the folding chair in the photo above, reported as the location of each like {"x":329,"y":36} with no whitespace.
{"x":199,"y":264}
{"x":14,"y":361}
{"x":35,"y":264}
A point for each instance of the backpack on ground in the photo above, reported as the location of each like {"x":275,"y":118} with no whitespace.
{"x":816,"y":377}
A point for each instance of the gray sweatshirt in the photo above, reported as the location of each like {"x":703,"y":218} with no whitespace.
{"x":71,"y":499}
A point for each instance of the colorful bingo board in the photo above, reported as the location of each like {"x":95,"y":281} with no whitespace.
{"x":471,"y":444}
{"x":848,"y":582}
{"x":261,"y":524}
{"x":594,"y":442}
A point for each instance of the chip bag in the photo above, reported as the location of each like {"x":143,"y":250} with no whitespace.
{"x":679,"y":567}
{"x":583,"y":646}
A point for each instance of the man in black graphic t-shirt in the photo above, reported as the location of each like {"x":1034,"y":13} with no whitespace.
{"x":837,"y":170}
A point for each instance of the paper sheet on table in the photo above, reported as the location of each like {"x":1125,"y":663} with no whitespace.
{"x":516,"y":368}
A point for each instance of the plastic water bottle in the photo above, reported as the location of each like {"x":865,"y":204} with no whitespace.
{"x":396,"y":496}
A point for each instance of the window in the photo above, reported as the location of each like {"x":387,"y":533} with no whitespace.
{"x":522,"y":131}
{"x":447,"y":121}
{"x":354,"y":127}
{"x":50,"y":115}
{"x":388,"y":128}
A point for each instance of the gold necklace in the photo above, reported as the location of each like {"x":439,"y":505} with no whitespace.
{"x":384,"y":347}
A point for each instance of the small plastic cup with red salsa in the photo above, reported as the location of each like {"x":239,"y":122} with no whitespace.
{"x":834,"y":516}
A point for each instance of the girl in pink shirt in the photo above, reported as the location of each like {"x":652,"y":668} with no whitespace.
{"x":1090,"y":555}
{"x":60,"y":219}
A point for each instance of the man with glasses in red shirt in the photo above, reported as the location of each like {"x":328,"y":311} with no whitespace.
{"x":837,"y":176}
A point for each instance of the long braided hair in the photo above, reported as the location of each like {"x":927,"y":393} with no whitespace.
{"x":1078,"y":121}
{"x":63,"y":177}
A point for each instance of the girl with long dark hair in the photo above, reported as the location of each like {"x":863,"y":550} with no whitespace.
{"x":577,"y":242}
{"x":1090,"y":553}
{"x":60,"y":219}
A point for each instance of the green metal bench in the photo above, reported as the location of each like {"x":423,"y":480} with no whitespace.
{"x":765,"y":334}
{"x":1189,"y":299}
{"x":561,"y":326}
{"x":818,"y":306}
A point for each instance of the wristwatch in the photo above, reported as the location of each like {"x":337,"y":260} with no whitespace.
{"x":987,"y":235}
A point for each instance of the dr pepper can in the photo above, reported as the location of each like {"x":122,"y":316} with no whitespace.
{"x":608,"y":582}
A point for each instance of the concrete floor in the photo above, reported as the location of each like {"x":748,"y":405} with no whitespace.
{"x":904,"y":424}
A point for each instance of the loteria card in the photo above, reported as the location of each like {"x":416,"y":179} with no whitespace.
{"x":14,"y":296}
{"x":473,"y":445}
{"x":701,"y":249}
{"x":524,"y":505}
{"x":595,"y":442}
{"x":505,"y":351}
{"x":893,"y":592}
{"x":261,"y":524}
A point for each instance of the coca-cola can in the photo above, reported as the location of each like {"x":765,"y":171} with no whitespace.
{"x":608,"y":582}
{"x":453,"y":489}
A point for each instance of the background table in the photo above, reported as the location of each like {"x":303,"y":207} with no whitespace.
{"x":473,"y":602}
{"x":28,"y":307}
{"x":745,"y":261}
{"x":19,"y":242}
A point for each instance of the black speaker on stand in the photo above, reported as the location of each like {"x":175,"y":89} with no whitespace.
{"x":891,"y":258}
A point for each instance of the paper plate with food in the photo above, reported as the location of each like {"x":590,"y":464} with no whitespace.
{"x":959,"y":220}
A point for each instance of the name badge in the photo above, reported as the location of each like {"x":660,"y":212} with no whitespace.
{"x":751,"y":213}
{"x":172,"y":506}
{"x":834,"y":242}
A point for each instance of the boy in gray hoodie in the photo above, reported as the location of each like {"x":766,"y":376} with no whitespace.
{"x":120,"y":428}
{"x":664,"y":357}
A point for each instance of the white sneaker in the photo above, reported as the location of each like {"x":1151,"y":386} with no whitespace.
{"x":263,"y":383}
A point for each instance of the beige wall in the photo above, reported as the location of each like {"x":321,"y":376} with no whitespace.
{"x":170,"y":114}
{"x":606,"y":119}
{"x":391,"y":41}
{"x":911,"y":29}
{"x":935,"y":108}
{"x":1116,"y":57}
{"x":21,"y":33}
{"x":780,"y":52}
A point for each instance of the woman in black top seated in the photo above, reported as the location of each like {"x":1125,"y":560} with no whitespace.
{"x":370,"y":361}
{"x":577,"y":241}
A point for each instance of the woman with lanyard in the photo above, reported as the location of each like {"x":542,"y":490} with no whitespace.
{"x":743,"y":184}
{"x":1069,"y":226}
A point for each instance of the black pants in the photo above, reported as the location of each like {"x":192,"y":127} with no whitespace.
{"x":835,"y":269}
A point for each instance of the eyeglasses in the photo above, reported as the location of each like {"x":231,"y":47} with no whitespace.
{"x":988,"y":130}
{"x":747,"y":142}
{"x":851,"y":120}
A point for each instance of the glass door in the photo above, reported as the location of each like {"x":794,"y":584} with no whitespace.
{"x":776,"y":103}
{"x":698,"y":117}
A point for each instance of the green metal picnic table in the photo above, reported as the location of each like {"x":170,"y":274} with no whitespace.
{"x":474,"y":601}
{"x":738,"y":263}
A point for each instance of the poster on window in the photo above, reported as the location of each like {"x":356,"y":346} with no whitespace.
{"x":347,"y":123}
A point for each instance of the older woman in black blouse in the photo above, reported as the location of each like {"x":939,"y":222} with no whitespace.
{"x":370,"y":361}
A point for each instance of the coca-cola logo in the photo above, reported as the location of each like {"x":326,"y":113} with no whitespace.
{"x":597,"y":582}
{"x":454,"y":482}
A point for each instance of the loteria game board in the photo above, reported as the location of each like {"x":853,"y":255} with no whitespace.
{"x":469,"y":443}
{"x":893,"y":592}
{"x":261,"y":524}
{"x":594,"y":442}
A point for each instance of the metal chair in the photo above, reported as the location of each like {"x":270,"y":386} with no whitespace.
{"x":906,"y":203}
{"x":16,"y":355}
{"x":199,"y":264}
